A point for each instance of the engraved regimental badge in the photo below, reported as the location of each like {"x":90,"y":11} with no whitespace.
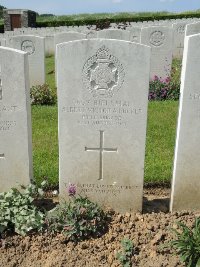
{"x":28,"y":46}
{"x":103,"y":74}
{"x":157,"y":38}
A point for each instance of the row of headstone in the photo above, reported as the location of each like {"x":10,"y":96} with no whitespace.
{"x":160,"y":38}
{"x":49,"y":32}
{"x":102,"y":122}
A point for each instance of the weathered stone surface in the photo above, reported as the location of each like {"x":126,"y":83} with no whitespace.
{"x":15,"y":120}
{"x":160,"y":39}
{"x":186,"y":183}
{"x":35,"y":47}
{"x":102,"y":99}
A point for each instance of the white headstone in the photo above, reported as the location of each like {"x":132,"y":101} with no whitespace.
{"x":193,"y":28}
{"x":114,"y":34}
{"x":15,"y":120}
{"x":160,"y":39}
{"x":2,"y":42}
{"x":67,"y":37}
{"x":135,"y":34}
{"x":102,"y":99}
{"x":91,"y":34}
{"x":186,"y":183}
{"x":179,"y":35}
{"x":35,"y":47}
{"x":49,"y":45}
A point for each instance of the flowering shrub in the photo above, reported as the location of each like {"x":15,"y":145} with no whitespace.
{"x":168,"y":88}
{"x":164,"y":89}
{"x":42,"y":95}
{"x":79,"y":219}
{"x":72,"y":190}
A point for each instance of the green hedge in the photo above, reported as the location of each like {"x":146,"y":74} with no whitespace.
{"x":104,"y":23}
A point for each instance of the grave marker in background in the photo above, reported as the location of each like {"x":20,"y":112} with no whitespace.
{"x":102,"y":100}
{"x":160,"y":39}
{"x":114,"y":34}
{"x":15,"y":120}
{"x":179,"y":35}
{"x":67,"y":37}
{"x":135,"y":34}
{"x":35,"y":47}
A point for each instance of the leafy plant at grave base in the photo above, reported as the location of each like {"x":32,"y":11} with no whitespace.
{"x":79,"y":219}
{"x":163,"y":89}
{"x":187,"y":244}
{"x":42,"y":95}
{"x":17,"y":211}
{"x":124,"y":256}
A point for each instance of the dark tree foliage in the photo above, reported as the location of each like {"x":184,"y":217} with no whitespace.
{"x":1,"y":11}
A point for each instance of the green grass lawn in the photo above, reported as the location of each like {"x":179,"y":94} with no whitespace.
{"x":161,"y":127}
{"x":161,"y":131}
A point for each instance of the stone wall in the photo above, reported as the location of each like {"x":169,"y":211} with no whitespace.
{"x":7,"y":22}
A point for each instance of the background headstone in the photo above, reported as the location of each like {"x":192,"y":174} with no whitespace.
{"x":15,"y":120}
{"x":91,"y":34}
{"x":186,"y":175}
{"x":114,"y":34}
{"x":160,"y":39}
{"x":135,"y":34}
{"x":193,"y":28}
{"x":35,"y":47}
{"x":102,"y":98}
{"x":179,"y":35}
{"x":67,"y":37}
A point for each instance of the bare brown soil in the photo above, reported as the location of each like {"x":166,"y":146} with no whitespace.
{"x":148,"y":231}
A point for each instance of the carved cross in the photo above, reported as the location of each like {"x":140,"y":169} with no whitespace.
{"x":101,"y":149}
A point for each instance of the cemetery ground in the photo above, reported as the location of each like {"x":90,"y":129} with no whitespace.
{"x":150,"y":232}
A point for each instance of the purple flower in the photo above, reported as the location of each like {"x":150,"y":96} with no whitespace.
{"x":155,"y":78}
{"x":71,"y":190}
{"x":167,"y":80}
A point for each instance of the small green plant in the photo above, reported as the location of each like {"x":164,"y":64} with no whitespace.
{"x":79,"y":219}
{"x":124,"y":256}
{"x":17,"y":211}
{"x":42,"y":95}
{"x":187,"y":244}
